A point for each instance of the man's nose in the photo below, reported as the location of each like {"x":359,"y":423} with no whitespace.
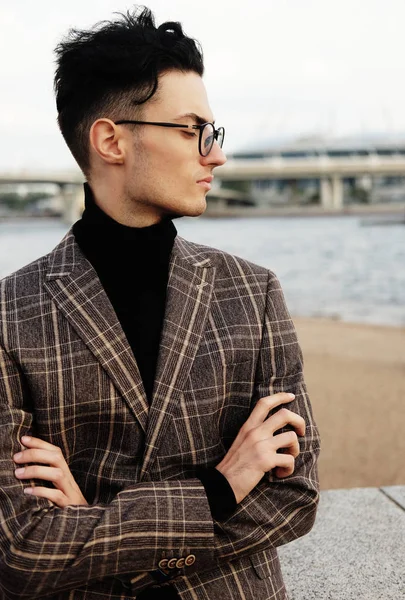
{"x":216,"y":157}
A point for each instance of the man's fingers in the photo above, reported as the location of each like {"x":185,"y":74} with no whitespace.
{"x":258,"y":416}
{"x":286,"y":466}
{"x":47,"y":457}
{"x":52,"y":467}
{"x":284,"y":417}
{"x":287,"y":440}
{"x":55,"y":496}
{"x":40,"y":472}
{"x":265,"y":405}
{"x":32,"y":442}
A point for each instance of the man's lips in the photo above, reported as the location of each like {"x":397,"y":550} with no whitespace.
{"x":206,"y":183}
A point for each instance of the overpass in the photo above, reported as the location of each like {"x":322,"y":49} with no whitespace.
{"x":329,"y":171}
{"x":70,"y":185}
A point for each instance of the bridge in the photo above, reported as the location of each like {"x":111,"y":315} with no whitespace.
{"x":70,"y":185}
{"x":329,"y":171}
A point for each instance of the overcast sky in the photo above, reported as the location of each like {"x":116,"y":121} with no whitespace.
{"x":274,"y":68}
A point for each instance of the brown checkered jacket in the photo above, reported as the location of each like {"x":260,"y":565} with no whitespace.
{"x":68,"y":376}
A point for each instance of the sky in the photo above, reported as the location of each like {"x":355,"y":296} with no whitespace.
{"x":275,"y":69}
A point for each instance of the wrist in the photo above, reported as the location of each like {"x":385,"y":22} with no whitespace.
{"x":241,"y":481}
{"x":221,"y":497}
{"x":233,"y":483}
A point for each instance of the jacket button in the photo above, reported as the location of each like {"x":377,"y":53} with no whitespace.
{"x":180,"y":563}
{"x":190,"y":560}
{"x":172,"y":563}
{"x":163,"y":563}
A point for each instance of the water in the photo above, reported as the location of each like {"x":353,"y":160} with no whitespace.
{"x":328,"y":266}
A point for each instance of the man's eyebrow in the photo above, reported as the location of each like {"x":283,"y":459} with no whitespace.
{"x":199,"y":120}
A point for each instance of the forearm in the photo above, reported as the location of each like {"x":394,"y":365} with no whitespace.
{"x":147,"y":523}
{"x":274,"y":513}
{"x":277,"y":511}
{"x":46,"y":549}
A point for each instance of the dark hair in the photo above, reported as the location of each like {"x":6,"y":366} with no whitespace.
{"x":114,"y":67}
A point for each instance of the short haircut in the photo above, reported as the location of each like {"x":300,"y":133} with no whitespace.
{"x":112,"y":69}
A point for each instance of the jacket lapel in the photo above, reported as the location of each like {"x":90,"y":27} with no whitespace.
{"x":190,"y":285}
{"x":75,"y":288}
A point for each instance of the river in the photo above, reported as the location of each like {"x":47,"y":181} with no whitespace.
{"x":328,"y":266}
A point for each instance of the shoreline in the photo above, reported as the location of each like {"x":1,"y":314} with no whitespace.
{"x":341,"y":320}
{"x":362,"y":210}
{"x":391,"y":213}
{"x":355,"y":374}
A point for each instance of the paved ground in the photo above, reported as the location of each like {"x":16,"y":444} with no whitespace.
{"x":356,"y":550}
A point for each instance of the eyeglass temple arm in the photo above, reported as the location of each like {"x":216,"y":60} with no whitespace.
{"x":159,"y":124}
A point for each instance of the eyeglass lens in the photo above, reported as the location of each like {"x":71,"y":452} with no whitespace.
{"x":208,"y":138}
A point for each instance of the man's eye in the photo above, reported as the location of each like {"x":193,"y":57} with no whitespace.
{"x":190,"y":133}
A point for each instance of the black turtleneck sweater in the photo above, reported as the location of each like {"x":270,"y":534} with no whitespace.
{"x":133,"y":266}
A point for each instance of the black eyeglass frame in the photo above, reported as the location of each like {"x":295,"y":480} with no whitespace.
{"x":217,"y":132}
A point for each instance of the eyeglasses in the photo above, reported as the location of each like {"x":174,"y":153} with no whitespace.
{"x":207,"y":137}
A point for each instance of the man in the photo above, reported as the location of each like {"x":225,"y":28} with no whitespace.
{"x":159,"y":367}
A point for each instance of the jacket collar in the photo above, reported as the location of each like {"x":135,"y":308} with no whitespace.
{"x":74,"y":286}
{"x":66,"y":258}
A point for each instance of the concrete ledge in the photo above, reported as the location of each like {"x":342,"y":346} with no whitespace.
{"x":356,"y":549}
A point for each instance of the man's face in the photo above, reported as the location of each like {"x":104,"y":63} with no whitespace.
{"x":164,"y":170}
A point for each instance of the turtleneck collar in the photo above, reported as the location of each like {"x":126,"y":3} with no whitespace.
{"x":98,"y":234}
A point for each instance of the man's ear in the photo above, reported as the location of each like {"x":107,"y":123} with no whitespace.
{"x":107,"y":141}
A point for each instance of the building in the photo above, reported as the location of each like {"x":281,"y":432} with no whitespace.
{"x":310,"y":171}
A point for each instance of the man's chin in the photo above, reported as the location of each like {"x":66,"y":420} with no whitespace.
{"x":198,"y":208}
{"x":189,"y":211}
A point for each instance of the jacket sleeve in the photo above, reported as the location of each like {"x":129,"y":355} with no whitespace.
{"x":45,"y":549}
{"x":277,"y":510}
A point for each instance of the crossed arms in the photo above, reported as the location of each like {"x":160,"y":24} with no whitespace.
{"x":46,"y":549}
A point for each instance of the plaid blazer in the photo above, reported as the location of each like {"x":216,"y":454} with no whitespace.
{"x":68,"y":375}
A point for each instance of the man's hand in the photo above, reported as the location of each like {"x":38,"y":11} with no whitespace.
{"x":255,"y":449}
{"x":52,"y":467}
